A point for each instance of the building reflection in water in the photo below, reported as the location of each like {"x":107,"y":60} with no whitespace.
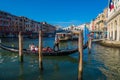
{"x":68,"y":45}
{"x":110,"y":59}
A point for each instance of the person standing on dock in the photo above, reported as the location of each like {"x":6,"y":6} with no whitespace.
{"x":56,"y":44}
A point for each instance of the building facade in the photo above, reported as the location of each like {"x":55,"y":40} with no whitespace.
{"x":98,"y":26}
{"x":10,"y":25}
{"x":100,"y":22}
{"x":113,"y":21}
{"x":48,"y":30}
{"x":5,"y":22}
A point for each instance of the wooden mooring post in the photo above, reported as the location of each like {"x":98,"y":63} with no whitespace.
{"x":80,"y":49}
{"x":89,"y":45}
{"x":40,"y":50}
{"x":20,"y":47}
{"x":0,"y":41}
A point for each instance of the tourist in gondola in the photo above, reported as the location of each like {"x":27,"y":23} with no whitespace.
{"x":56,"y":43}
{"x":47,"y":49}
{"x":36,"y":49}
{"x":32,"y":47}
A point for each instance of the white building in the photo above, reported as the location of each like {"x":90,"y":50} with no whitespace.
{"x":77,"y":28}
{"x":113,"y":21}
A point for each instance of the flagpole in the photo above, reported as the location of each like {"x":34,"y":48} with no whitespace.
{"x":108,"y":7}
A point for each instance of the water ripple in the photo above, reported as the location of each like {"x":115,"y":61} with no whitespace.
{"x":1,"y":61}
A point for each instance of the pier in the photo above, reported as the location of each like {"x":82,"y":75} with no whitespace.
{"x":112,"y":44}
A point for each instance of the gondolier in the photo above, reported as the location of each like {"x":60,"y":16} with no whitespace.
{"x":56,"y":44}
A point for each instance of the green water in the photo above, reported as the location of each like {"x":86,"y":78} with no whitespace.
{"x":101,"y":64}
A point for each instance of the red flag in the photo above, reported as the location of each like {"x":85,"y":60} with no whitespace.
{"x":111,"y":5}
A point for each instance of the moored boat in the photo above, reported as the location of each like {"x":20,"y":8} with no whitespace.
{"x":52,"y":53}
{"x":64,"y":36}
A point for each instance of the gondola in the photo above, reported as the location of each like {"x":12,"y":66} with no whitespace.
{"x":53,"y":53}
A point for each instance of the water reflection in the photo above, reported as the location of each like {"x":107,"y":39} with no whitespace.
{"x":21,"y":72}
{"x":68,"y":45}
{"x":63,"y":45}
{"x":110,"y":58}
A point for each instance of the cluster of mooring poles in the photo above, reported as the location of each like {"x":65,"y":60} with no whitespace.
{"x":21,"y":48}
{"x":80,"y":49}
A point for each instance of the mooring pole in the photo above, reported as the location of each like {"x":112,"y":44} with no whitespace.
{"x":89,"y":45}
{"x":20,"y":47}
{"x":80,"y":48}
{"x":0,"y":41}
{"x":21,"y":71}
{"x":40,"y":50}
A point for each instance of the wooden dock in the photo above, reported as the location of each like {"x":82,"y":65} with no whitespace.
{"x":97,"y":40}
{"x":109,"y":43}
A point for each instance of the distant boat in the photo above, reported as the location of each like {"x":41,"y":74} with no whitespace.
{"x":63,"y":36}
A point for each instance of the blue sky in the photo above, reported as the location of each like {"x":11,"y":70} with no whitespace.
{"x":55,"y":12}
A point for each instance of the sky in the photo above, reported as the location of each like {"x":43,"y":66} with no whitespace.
{"x":56,"y":12}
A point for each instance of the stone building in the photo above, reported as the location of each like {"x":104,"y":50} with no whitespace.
{"x":100,"y":21}
{"x":48,"y":30}
{"x":98,"y":26}
{"x":10,"y":25}
{"x":113,"y":21}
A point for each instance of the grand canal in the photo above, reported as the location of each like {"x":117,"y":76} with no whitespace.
{"x":101,"y":64}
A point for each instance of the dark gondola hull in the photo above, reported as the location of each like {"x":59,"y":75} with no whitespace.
{"x":53,"y":53}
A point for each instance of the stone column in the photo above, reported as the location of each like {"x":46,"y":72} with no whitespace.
{"x":113,"y":25}
{"x":118,"y":33}
{"x":108,"y":31}
{"x":119,"y":27}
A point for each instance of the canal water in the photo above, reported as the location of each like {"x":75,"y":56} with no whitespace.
{"x":102,"y":64}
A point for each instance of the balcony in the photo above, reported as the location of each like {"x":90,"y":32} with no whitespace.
{"x":100,"y":21}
